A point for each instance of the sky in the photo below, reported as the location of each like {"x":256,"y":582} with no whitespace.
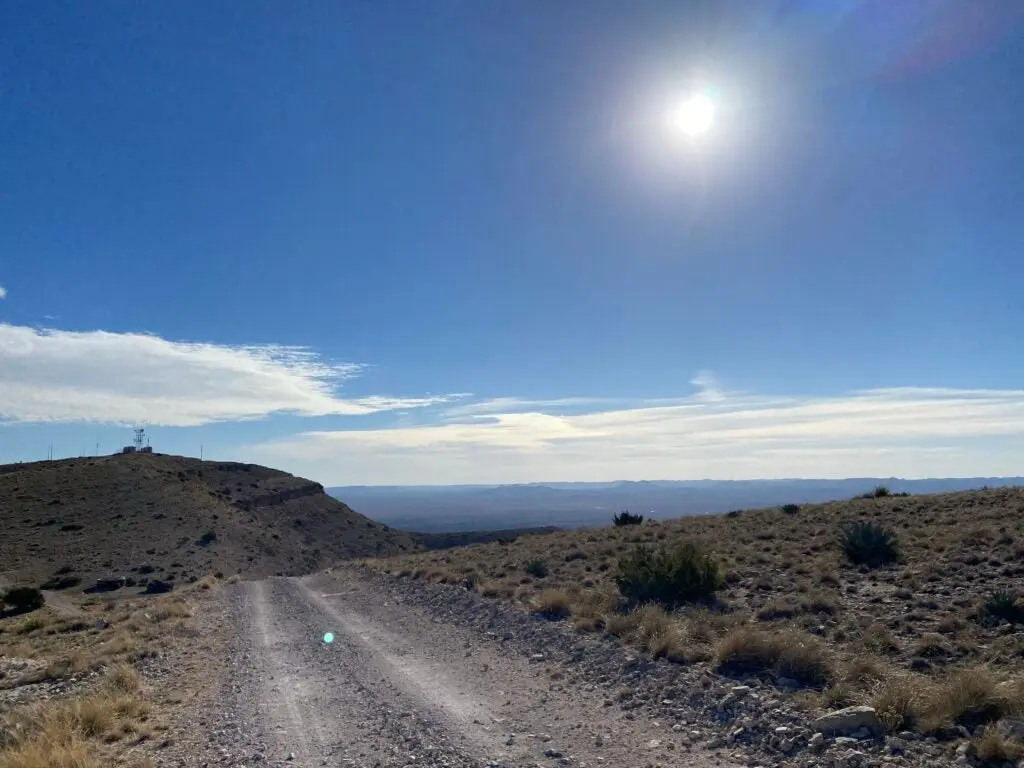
{"x":468,"y":242}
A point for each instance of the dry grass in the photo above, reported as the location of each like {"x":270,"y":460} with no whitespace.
{"x":972,"y":697}
{"x":996,"y":747}
{"x":553,"y":604}
{"x":897,"y":636}
{"x":76,"y":732}
{"x":98,"y":720}
{"x":787,"y":654}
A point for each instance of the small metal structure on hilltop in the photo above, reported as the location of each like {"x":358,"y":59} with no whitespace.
{"x":140,"y":444}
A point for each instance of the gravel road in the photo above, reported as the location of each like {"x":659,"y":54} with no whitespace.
{"x":399,"y":687}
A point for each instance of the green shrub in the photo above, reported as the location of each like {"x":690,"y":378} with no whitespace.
{"x":669,"y":578}
{"x":536,"y":567}
{"x":868,"y":544}
{"x":1001,"y":606}
{"x":23,"y":599}
{"x":625,"y":518}
{"x":207,"y":538}
{"x":790,"y":509}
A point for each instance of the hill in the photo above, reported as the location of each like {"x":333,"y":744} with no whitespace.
{"x":150,"y":516}
{"x":932,"y":639}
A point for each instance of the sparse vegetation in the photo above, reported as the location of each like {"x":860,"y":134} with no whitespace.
{"x":18,"y":600}
{"x":788,"y":654}
{"x":625,"y":518}
{"x":668,"y":577}
{"x":903,"y":639}
{"x":866,"y":543}
{"x":537,"y":568}
{"x":790,"y":509}
{"x":553,"y":604}
{"x":1001,"y":605}
{"x":207,"y":538}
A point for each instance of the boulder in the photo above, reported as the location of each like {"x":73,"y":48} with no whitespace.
{"x":848,"y":720}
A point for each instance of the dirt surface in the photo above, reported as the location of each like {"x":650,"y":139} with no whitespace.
{"x":173,"y":518}
{"x":399,"y":687}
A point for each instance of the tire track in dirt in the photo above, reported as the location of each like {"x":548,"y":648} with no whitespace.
{"x":398,"y":688}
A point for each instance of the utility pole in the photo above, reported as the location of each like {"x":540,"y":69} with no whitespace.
{"x":200,"y":452}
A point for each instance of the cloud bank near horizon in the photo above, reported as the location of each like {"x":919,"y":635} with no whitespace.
{"x":908,"y":431}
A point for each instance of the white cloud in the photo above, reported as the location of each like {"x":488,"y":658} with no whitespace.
{"x":3,"y":292}
{"x":912,"y":432}
{"x":66,"y":376}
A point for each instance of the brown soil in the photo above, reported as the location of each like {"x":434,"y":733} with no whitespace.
{"x":174,"y":519}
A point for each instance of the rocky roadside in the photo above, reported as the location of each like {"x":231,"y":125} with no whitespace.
{"x":748,"y":721}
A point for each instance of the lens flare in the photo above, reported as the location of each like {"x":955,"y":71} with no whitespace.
{"x":328,"y":637}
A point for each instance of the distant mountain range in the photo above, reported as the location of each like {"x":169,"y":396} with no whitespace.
{"x":492,"y":507}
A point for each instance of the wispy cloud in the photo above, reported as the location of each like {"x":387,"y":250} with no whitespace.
{"x":908,"y":431}
{"x":68,"y":376}
{"x":519,"y":405}
{"x":3,"y":292}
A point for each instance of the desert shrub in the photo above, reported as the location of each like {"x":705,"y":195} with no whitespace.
{"x":734,"y":513}
{"x":61,"y":582}
{"x":536,"y":567}
{"x":552,"y":604}
{"x":1001,"y":606}
{"x":668,"y":577}
{"x":897,"y":702}
{"x":998,"y":748}
{"x":791,"y":654}
{"x":207,"y":538}
{"x":790,"y":509}
{"x":157,"y":587}
{"x":972,"y":697}
{"x":23,"y":599}
{"x":880,"y":492}
{"x":868,"y":544}
{"x":625,"y":518}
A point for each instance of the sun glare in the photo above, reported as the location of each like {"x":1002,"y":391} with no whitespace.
{"x":696,"y":115}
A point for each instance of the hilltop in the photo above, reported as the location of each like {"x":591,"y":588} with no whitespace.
{"x":173,"y":518}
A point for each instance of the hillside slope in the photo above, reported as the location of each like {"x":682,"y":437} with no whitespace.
{"x":176,"y":518}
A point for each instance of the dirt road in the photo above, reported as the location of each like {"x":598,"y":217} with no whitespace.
{"x":398,"y":687}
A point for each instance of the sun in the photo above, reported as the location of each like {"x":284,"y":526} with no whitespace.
{"x":695,"y":115}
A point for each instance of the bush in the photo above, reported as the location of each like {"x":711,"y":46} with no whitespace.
{"x":1001,"y":606}
{"x":536,"y":567}
{"x":868,"y":544}
{"x":625,"y":518}
{"x":61,"y":582}
{"x":796,"y":655}
{"x":669,"y":578}
{"x":552,"y":604}
{"x":23,"y":600}
{"x":207,"y":538}
{"x":157,"y":587}
{"x":790,"y":509}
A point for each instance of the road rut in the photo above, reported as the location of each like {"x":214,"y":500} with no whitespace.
{"x":398,"y":687}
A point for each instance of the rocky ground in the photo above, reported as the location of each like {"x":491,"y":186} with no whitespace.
{"x":740,"y":721}
{"x":434,"y":675}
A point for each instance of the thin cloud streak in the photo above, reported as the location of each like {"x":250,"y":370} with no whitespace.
{"x":130,"y":378}
{"x":908,"y":431}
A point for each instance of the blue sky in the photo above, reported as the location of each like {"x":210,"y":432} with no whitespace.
{"x":419,"y":242}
